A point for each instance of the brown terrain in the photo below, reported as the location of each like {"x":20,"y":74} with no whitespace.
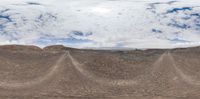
{"x":58,"y":72}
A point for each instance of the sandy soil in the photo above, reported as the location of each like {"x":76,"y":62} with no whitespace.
{"x":58,"y":72}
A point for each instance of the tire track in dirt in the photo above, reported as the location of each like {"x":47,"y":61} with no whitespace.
{"x":37,"y":81}
{"x":188,"y":79}
{"x":156,"y":65}
{"x":101,"y":80}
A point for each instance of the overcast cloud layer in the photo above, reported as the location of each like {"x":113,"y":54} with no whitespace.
{"x":101,"y":23}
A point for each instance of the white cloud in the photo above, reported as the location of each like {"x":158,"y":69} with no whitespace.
{"x":112,"y":23}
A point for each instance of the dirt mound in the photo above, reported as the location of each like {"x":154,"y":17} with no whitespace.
{"x":99,"y":74}
{"x":20,"y":48}
{"x":56,"y":48}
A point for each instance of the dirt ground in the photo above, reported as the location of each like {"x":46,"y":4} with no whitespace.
{"x":58,"y":72}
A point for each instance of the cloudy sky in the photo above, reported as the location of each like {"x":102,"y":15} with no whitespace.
{"x":101,"y":23}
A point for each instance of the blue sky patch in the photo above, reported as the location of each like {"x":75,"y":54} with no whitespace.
{"x":176,"y":24}
{"x":195,"y":14}
{"x":33,"y":3}
{"x":80,"y":34}
{"x":6,"y":17}
{"x":156,"y":31}
{"x":179,"y":9}
{"x":178,"y":40}
{"x":120,"y":45}
{"x":52,"y":40}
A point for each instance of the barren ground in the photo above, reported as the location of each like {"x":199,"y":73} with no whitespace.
{"x":57,"y":72}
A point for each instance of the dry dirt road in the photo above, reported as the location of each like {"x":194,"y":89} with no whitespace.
{"x":57,"y":72}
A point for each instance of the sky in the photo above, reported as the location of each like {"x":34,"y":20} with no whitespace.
{"x":101,"y":23}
